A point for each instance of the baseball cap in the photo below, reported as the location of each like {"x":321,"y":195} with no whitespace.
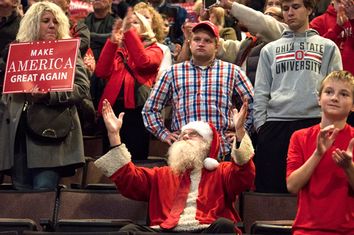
{"x":208,"y":26}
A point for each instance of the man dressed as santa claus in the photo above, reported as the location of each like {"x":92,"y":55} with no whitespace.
{"x":194,"y":193}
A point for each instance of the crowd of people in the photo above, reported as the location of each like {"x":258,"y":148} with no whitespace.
{"x":247,"y":99}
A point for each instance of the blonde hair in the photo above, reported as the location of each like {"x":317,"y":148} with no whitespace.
{"x":219,"y":13}
{"x":146,"y":31}
{"x":156,"y":21}
{"x":30,"y":23}
{"x":197,"y":7}
{"x":341,"y":75}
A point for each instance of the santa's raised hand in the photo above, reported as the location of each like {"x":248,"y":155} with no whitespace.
{"x":113,"y":124}
{"x":239,"y":118}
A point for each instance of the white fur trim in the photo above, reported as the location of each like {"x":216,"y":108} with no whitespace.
{"x":244,"y":153}
{"x":187,"y":221}
{"x":210,"y":163}
{"x":202,"y":128}
{"x":113,"y":160}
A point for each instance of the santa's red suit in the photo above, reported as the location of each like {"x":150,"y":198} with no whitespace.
{"x":212,"y":193}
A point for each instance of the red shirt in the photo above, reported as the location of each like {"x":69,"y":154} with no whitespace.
{"x":326,"y":202}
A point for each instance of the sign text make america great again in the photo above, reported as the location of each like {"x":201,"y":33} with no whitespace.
{"x":44,"y":65}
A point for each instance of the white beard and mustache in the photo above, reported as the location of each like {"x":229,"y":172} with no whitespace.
{"x":187,"y":155}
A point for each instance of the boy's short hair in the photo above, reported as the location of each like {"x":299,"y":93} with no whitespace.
{"x":340,"y":75}
{"x":307,"y":3}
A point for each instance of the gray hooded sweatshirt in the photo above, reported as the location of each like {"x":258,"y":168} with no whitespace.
{"x":289,"y":72}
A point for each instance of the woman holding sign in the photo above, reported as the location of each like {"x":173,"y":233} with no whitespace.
{"x":130,"y":62}
{"x":41,"y":130}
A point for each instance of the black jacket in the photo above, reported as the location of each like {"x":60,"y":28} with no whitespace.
{"x":8,"y":31}
{"x":98,"y":37}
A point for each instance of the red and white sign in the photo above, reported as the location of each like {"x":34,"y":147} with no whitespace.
{"x":42,"y":66}
{"x":80,"y":9}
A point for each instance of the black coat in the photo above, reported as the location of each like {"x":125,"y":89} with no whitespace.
{"x":8,"y":32}
{"x":9,"y":29}
{"x":98,"y":37}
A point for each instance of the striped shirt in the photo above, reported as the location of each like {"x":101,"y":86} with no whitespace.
{"x":198,"y":94}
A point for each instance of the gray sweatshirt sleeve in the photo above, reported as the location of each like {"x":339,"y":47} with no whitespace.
{"x":262,"y":89}
{"x":335,"y":62}
{"x":256,"y":22}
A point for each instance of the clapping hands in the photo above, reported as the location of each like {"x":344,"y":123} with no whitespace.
{"x":325,"y":139}
{"x":344,"y":158}
{"x":128,"y":20}
{"x":345,"y":11}
{"x":117,"y":33}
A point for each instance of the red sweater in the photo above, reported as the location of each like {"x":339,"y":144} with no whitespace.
{"x":326,"y":25}
{"x":144,"y":62}
{"x":326,"y":202}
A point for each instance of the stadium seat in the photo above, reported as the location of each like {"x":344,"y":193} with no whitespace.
{"x":267,"y":206}
{"x":275,"y":227}
{"x":16,"y":225}
{"x":97,"y":210}
{"x":73,"y":233}
{"x":27,"y":208}
{"x":8,"y":233}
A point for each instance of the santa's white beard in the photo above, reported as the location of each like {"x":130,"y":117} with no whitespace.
{"x":187,"y":155}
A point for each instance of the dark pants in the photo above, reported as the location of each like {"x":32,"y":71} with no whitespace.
{"x":133,"y":133}
{"x":271,"y":153}
{"x":221,"y":225}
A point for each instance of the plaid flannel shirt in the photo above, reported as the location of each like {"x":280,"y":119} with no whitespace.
{"x":198,"y":93}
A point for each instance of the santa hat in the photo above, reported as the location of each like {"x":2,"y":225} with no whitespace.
{"x":210,"y":134}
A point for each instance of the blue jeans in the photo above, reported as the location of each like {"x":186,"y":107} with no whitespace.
{"x":36,"y":179}
{"x":45,"y":179}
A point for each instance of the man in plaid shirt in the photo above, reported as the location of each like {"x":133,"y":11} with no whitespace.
{"x":202,"y":89}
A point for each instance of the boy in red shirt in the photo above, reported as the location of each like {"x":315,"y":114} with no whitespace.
{"x":320,"y":164}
